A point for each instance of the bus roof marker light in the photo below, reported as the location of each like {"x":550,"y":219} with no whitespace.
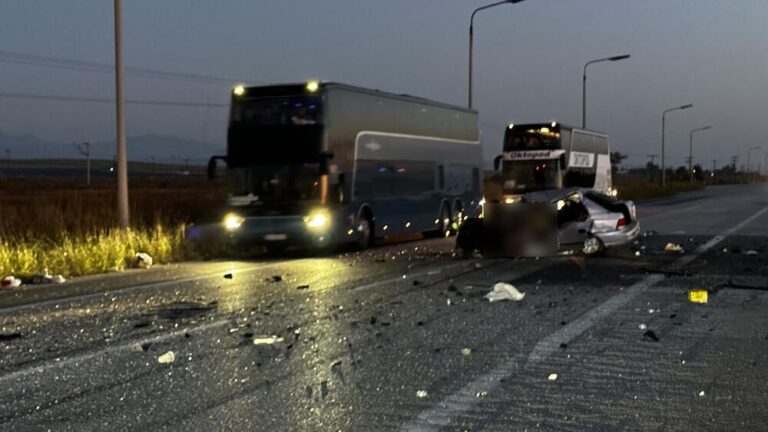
{"x":313,"y":86}
{"x":554,"y":124}
{"x":238,"y":90}
{"x":511,"y":125}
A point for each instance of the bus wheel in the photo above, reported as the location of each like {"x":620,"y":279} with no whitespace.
{"x":445,"y":222}
{"x":364,"y":233}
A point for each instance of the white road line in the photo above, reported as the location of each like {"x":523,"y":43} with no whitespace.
{"x":124,"y":347}
{"x":151,"y":285}
{"x":444,"y":412}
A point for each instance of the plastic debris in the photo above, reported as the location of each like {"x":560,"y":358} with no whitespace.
{"x":421,"y":394}
{"x":481,"y":394}
{"x":698,"y":296}
{"x":701,"y":393}
{"x":504,"y":291}
{"x":268,"y":340}
{"x":642,"y":326}
{"x":466,"y":351}
{"x":750,"y":252}
{"x":674,"y":247}
{"x":552,"y":377}
{"x":143,"y":260}
{"x":168,"y":357}
{"x":58,"y":279}
{"x":228,"y":276}
{"x":42,"y":278}
{"x":10,"y":282}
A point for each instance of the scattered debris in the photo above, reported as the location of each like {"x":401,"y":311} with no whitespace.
{"x":5,"y":337}
{"x":448,"y":302}
{"x":58,"y":279}
{"x":552,"y":377}
{"x":504,"y":291}
{"x":302,"y":287}
{"x":649,"y":233}
{"x":750,"y":252}
{"x":466,"y":351}
{"x":180,"y":310}
{"x":268,"y":340}
{"x":277,"y":278}
{"x":142,"y":324}
{"x":373,"y":320}
{"x":698,"y":296}
{"x":416,"y":283}
{"x":649,"y":334}
{"x":481,"y":394}
{"x":10,"y":282}
{"x":674,"y":247}
{"x":143,"y":260}
{"x":563,"y":345}
{"x":421,"y":394}
{"x":701,"y":393}
{"x":642,"y":326}
{"x":168,"y":357}
{"x":228,"y":276}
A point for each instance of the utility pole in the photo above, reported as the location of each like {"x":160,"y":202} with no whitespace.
{"x":714,"y":166}
{"x":85,"y":150}
{"x":734,"y":159}
{"x":122,"y":161}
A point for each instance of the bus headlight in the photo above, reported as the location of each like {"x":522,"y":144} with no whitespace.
{"x":318,"y":220}
{"x":233,"y":221}
{"x":613,"y":192}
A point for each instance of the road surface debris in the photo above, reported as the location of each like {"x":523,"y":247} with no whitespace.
{"x":143,"y":260}
{"x":466,"y":351}
{"x":552,"y":377}
{"x":168,"y":357}
{"x":268,"y":340}
{"x":10,"y":282}
{"x":698,"y":296}
{"x":421,"y":394}
{"x":228,"y":276}
{"x":504,"y":291}
{"x":674,"y":247}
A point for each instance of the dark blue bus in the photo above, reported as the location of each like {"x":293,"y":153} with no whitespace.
{"x":317,"y":164}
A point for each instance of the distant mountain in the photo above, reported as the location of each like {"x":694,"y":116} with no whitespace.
{"x":143,"y":148}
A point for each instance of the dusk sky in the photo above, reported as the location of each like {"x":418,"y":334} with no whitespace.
{"x":529,"y":59}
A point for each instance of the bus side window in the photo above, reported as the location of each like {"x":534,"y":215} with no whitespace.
{"x":440,"y":178}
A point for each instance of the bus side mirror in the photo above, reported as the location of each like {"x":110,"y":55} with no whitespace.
{"x":212,"y":166}
{"x":497,"y":162}
{"x":324,"y":158}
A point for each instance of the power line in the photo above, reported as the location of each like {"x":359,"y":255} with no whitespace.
{"x":108,"y":100}
{"x":88,"y":66}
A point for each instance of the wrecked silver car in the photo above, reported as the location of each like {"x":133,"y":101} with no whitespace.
{"x":546,"y":222}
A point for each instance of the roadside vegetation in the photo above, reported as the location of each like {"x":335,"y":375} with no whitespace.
{"x":69,"y":229}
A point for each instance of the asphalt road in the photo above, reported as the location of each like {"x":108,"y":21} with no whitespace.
{"x":401,"y":338}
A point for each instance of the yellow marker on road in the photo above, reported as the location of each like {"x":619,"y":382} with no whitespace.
{"x":698,"y":296}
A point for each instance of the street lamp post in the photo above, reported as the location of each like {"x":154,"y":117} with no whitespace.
{"x":471,"y":41}
{"x":584,"y":84}
{"x":690,"y":148}
{"x":748,"y":156}
{"x":122,"y":162}
{"x":663,"y":130}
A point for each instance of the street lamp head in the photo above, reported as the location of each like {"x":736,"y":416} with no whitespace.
{"x":620,"y":57}
{"x":685,"y":107}
{"x":513,"y":1}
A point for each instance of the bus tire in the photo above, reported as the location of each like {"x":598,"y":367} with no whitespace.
{"x":365,"y":232}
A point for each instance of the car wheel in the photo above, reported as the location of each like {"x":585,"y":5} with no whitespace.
{"x":592,"y":246}
{"x":364,"y":233}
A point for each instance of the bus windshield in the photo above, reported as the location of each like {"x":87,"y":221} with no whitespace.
{"x":530,"y":175}
{"x":532,"y":137}
{"x":284,"y":111}
{"x":277,"y":182}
